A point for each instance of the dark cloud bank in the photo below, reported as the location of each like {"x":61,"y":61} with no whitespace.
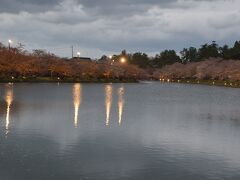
{"x":105,"y":26}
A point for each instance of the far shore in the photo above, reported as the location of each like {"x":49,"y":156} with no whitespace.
{"x":64,"y":80}
{"x":223,"y":83}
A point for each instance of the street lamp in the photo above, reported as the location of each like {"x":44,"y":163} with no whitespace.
{"x":78,"y":54}
{"x":111,"y":60}
{"x":9,"y":43}
{"x":122,"y":60}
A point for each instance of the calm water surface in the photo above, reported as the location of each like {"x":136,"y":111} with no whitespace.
{"x":119,"y":131}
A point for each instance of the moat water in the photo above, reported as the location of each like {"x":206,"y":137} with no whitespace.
{"x":144,"y":131}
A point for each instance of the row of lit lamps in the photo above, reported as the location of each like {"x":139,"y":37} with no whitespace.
{"x":213,"y":83}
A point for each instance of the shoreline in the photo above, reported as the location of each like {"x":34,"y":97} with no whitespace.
{"x":217,"y":83}
{"x":64,"y":80}
{"x":226,"y":83}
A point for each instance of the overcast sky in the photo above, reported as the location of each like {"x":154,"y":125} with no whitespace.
{"x":97,"y":27}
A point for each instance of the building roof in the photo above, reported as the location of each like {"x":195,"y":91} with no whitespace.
{"x":82,"y":58}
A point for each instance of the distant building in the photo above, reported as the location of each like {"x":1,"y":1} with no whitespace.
{"x":82,"y":59}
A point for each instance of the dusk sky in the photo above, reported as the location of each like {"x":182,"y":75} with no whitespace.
{"x":97,"y":27}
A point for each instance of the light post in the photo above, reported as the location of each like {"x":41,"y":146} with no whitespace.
{"x":78,"y":54}
{"x":9,"y":44}
{"x":111,"y":60}
{"x":123,"y":61}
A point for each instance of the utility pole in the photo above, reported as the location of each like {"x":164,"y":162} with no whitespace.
{"x":72,"y":51}
{"x":20,"y":46}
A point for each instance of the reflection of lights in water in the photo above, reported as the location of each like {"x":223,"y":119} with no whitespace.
{"x":120,"y":104}
{"x":8,"y":99}
{"x":108,"y":102}
{"x":76,"y":101}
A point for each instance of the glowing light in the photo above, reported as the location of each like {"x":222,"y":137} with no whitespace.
{"x":77,"y":93}
{"x":78,"y":54}
{"x":110,"y":57}
{"x":10,"y":41}
{"x":9,"y":100}
{"x":123,"y":60}
{"x":168,"y":80}
{"x":120,"y":104}
{"x":108,"y":102}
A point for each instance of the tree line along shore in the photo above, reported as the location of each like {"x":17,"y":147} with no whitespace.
{"x":209,"y":64}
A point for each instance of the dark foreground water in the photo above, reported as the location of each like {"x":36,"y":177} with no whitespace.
{"x":119,"y":131}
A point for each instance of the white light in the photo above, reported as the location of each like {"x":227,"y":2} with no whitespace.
{"x":123,"y":60}
{"x":110,"y":57}
{"x":78,"y":54}
{"x":10,"y":41}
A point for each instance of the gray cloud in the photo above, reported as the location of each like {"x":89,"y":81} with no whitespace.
{"x":105,"y":6}
{"x":16,"y":6}
{"x":104,"y":26}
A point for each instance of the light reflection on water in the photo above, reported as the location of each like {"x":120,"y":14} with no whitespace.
{"x":120,"y":104}
{"x":154,"y":131}
{"x":108,"y":102}
{"x":77,"y":93}
{"x":9,"y":100}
